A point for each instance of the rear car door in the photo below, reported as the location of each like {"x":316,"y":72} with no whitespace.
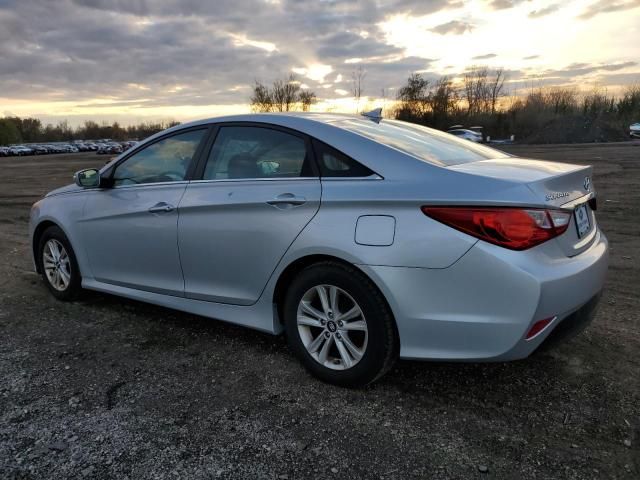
{"x":131,"y":229}
{"x":256,"y":191}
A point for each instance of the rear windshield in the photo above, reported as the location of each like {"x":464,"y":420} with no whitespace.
{"x":426,"y":144}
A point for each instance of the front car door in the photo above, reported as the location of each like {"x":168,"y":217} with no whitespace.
{"x":130,"y":230}
{"x":258,"y":190}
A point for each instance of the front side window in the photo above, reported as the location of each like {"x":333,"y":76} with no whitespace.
{"x":255,"y":152}
{"x":166,"y":160}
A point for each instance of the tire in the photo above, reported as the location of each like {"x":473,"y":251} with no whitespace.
{"x":372,"y":347}
{"x":54,"y":237}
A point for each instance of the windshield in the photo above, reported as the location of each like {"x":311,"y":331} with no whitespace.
{"x":426,"y":144}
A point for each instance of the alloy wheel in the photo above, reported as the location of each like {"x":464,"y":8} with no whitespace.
{"x":332,"y":327}
{"x":57,"y":265}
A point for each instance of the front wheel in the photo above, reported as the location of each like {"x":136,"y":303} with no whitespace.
{"x":58,"y":264}
{"x":339,"y":325}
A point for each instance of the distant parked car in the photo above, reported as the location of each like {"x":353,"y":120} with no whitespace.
{"x":634,"y":130}
{"x":39,"y":149}
{"x":466,"y":134}
{"x":4,"y":151}
{"x":20,"y":150}
{"x":54,"y":149}
{"x":69,"y":148}
{"x":110,"y":149}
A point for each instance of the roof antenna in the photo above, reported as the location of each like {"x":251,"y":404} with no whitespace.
{"x":374,"y":115}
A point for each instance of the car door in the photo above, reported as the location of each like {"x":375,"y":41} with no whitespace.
{"x":130,"y":230}
{"x":258,"y":190}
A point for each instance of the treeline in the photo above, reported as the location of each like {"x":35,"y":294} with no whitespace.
{"x":31,"y":130}
{"x":283,"y":95}
{"x":481,"y":98}
{"x":541,"y":115}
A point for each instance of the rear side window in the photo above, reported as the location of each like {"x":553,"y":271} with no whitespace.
{"x":256,"y":152}
{"x":426,"y":144}
{"x":333,"y":163}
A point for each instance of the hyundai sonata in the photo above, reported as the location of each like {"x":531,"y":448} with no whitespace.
{"x":363,"y":240}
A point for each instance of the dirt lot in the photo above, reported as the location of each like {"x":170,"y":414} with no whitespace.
{"x":109,"y":388}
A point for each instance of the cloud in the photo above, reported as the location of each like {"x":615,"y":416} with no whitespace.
{"x":582,"y":69}
{"x":154,"y":53}
{"x":341,"y":45}
{"x":531,"y":57}
{"x":554,"y":7}
{"x":607,"y":6}
{"x":620,"y":78}
{"x":455,"y":27}
{"x":501,"y":4}
{"x":484,"y":57}
{"x":381,"y":74}
{"x":135,"y":52}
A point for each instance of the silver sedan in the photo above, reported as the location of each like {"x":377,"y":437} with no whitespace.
{"x":363,"y":240}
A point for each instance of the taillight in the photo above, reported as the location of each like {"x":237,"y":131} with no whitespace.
{"x":509,"y":227}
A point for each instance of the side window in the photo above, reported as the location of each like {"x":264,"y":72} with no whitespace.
{"x":164,"y":161}
{"x":255,"y":152}
{"x":335,"y":164}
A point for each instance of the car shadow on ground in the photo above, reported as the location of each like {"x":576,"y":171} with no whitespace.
{"x":541,"y":373}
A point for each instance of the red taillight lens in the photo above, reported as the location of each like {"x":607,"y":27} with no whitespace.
{"x":509,"y":227}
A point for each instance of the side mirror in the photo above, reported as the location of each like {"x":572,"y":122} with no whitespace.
{"x":88,"y":178}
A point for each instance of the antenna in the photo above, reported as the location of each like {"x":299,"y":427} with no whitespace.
{"x":374,"y":115}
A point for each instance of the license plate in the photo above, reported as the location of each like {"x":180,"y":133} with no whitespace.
{"x":582,"y":220}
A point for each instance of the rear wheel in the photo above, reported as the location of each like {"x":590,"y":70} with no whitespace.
{"x":58,"y":264}
{"x":339,"y":325}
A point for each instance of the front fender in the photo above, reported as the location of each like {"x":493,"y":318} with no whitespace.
{"x":64,"y":211}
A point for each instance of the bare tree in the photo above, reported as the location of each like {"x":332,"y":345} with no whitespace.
{"x":261,"y":100}
{"x":496,"y":84}
{"x":357,"y":84}
{"x":476,"y":90}
{"x":307,"y":98}
{"x":443,"y":99}
{"x":482,"y":89}
{"x":283,"y":96}
{"x":562,"y":100}
{"x":414,"y":96}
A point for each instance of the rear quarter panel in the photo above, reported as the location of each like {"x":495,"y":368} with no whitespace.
{"x":418,"y":240}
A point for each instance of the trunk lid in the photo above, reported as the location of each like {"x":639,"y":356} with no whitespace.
{"x":554,"y":184}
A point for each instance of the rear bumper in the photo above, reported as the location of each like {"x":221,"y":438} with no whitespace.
{"x":571,"y":325}
{"x":482,"y":307}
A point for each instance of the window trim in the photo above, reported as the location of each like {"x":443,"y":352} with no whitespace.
{"x":318,"y":145}
{"x":107,"y":176}
{"x":199,"y":170}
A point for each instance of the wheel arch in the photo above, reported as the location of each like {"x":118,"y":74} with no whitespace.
{"x":299,"y":264}
{"x":37,"y":235}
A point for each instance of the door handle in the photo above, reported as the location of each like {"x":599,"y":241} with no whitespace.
{"x":161,"y":207}
{"x":287,"y":199}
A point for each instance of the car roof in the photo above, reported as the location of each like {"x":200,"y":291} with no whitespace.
{"x":341,"y":131}
{"x":295,"y":120}
{"x":325,"y":127}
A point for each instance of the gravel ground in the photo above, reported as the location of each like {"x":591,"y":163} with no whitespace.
{"x":110,"y":388}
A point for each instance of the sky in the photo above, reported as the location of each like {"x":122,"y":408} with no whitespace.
{"x":147,"y":60}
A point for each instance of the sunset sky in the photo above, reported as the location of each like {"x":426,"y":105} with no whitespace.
{"x":133,"y":60}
